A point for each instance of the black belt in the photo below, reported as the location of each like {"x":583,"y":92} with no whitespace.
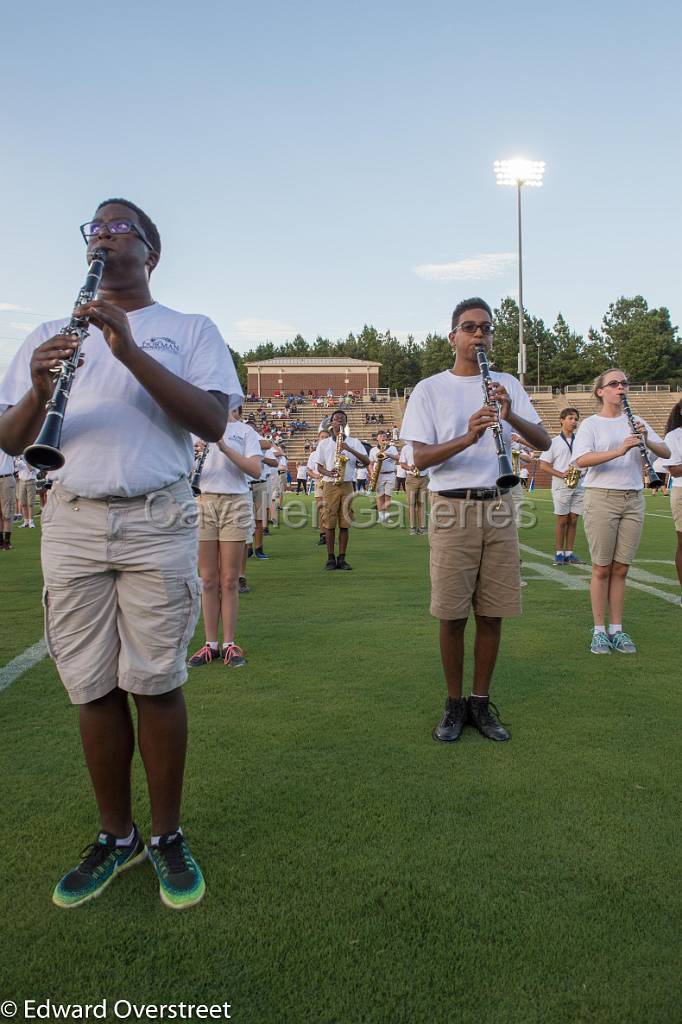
{"x":3,"y":475}
{"x":476,"y":493}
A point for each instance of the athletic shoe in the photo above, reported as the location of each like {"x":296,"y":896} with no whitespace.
{"x":421,"y":531}
{"x":322,"y":540}
{"x":413,"y":532}
{"x":484,"y":716}
{"x":102,"y":861}
{"x":249,"y":552}
{"x":244,"y":587}
{"x":233,"y":656}
{"x":449,"y":729}
{"x":600,"y":643}
{"x":341,"y":563}
{"x":181,"y":883}
{"x":266,"y":531}
{"x":622,"y":643}
{"x":259,"y":553}
{"x":331,"y":562}
{"x":31,"y":525}
{"x":203,"y":657}
{"x":23,"y":526}
{"x":8,"y":545}
{"x":559,"y":558}
{"x":573,"y":560}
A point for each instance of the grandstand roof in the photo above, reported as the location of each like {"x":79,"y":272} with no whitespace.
{"x":312,"y":361}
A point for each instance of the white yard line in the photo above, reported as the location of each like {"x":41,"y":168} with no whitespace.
{"x":639,"y":579}
{"x":22,"y":663}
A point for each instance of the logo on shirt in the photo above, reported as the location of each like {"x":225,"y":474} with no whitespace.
{"x":161,"y":345}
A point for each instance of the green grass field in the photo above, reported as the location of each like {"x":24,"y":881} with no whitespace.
{"x":357,"y":871}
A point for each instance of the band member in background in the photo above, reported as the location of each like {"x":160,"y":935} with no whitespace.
{"x":280,"y":482}
{"x":416,"y":485}
{"x":318,"y":490}
{"x":673,"y":439}
{"x":337,"y":492}
{"x":614,"y":504}
{"x":8,"y":500}
{"x":568,"y":501}
{"x":26,"y":491}
{"x":121,"y":604}
{"x":225,"y":514}
{"x":301,"y":477}
{"x":400,"y":478}
{"x":361,"y":475}
{"x":385,"y":484}
{"x":262,"y":496}
{"x":472,"y":529}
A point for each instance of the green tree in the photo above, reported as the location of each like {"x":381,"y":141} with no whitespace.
{"x":566,"y":364}
{"x":506,"y":342}
{"x":436,"y":355}
{"x":643,"y":341}
{"x":239,"y":367}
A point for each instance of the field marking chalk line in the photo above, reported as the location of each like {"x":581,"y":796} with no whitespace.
{"x":22,"y":663}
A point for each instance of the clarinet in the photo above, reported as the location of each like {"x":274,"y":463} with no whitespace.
{"x":651,"y":477}
{"x":196,"y":475}
{"x":44,"y":453}
{"x":507,"y":478}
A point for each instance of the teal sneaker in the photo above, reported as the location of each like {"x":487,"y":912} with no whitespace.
{"x":600,"y":644}
{"x":181,"y":883}
{"x":102,"y":861}
{"x":622,"y":643}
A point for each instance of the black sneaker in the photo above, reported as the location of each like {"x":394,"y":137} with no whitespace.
{"x":243,"y":587}
{"x":181,"y":883}
{"x":331,"y":562}
{"x":341,"y":563}
{"x":484,"y":716}
{"x":449,"y":729}
{"x":322,"y":540}
{"x":102,"y":861}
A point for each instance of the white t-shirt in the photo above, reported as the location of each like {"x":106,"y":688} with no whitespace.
{"x":389,"y":463}
{"x":407,"y":459}
{"x":326,"y":453}
{"x":220,"y":475}
{"x":361,"y":472}
{"x":301,"y":471}
{"x":604,"y":434}
{"x":282,"y":464}
{"x":6,"y":463}
{"x":312,"y":461}
{"x":25,"y":472}
{"x":673,"y":439}
{"x":439,"y":410}
{"x":560,"y":457}
{"x":269,"y":471}
{"x":116,"y":439}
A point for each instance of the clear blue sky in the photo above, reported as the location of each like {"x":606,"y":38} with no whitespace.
{"x":301,"y":160}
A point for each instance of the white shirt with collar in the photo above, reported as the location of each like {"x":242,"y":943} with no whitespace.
{"x":326,"y":452}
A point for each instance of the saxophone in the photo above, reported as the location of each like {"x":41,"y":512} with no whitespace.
{"x":381,"y":455}
{"x":572,"y":476}
{"x":340,"y":459}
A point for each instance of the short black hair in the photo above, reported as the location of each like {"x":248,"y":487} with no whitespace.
{"x":465,"y":304}
{"x":343,"y":413}
{"x":567,"y":411}
{"x":148,"y":226}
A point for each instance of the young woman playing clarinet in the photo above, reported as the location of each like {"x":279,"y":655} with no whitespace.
{"x":673,"y":438}
{"x":607,"y":448}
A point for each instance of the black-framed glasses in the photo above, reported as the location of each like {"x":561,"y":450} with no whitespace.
{"x":469,"y":327}
{"x":119,"y":226}
{"x":616,"y":383}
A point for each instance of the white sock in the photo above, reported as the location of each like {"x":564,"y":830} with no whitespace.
{"x":228,"y":644}
{"x":128,"y":841}
{"x":599,"y":629}
{"x":480,"y":696}
{"x":155,"y":840}
{"x":213,"y":644}
{"x":567,"y":553}
{"x":559,"y":553}
{"x":615,"y":628}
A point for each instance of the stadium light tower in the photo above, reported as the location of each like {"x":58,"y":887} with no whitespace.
{"x":520,"y":172}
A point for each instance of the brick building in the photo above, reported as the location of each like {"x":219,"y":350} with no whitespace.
{"x":303,"y":373}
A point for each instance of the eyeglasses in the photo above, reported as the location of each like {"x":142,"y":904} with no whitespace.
{"x":616,"y":383}
{"x":469,"y":327}
{"x":94,"y":228}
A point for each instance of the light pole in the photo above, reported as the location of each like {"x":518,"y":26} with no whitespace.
{"x":520,"y":172}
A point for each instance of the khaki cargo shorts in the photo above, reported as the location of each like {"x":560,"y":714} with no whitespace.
{"x":385,"y":484}
{"x":337,"y":507}
{"x":122,"y":595}
{"x":225,"y":517}
{"x":261,"y":500}
{"x":8,"y":497}
{"x":676,"y":507}
{"x":474,"y":558}
{"x":26,"y":493}
{"x":613,"y":522}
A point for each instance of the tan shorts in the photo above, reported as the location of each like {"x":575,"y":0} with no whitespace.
{"x":337,"y":507}
{"x":417,"y":488}
{"x":613,"y":523}
{"x":676,"y":506}
{"x":261,"y":500}
{"x":474,"y":558}
{"x":225,"y":517}
{"x":122,"y":595}
{"x":319,"y":488}
{"x":26,"y":493}
{"x":386,"y":484}
{"x":8,"y":497}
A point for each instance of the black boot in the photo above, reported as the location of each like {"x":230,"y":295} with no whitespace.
{"x":484,"y":716}
{"x":449,"y":729}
